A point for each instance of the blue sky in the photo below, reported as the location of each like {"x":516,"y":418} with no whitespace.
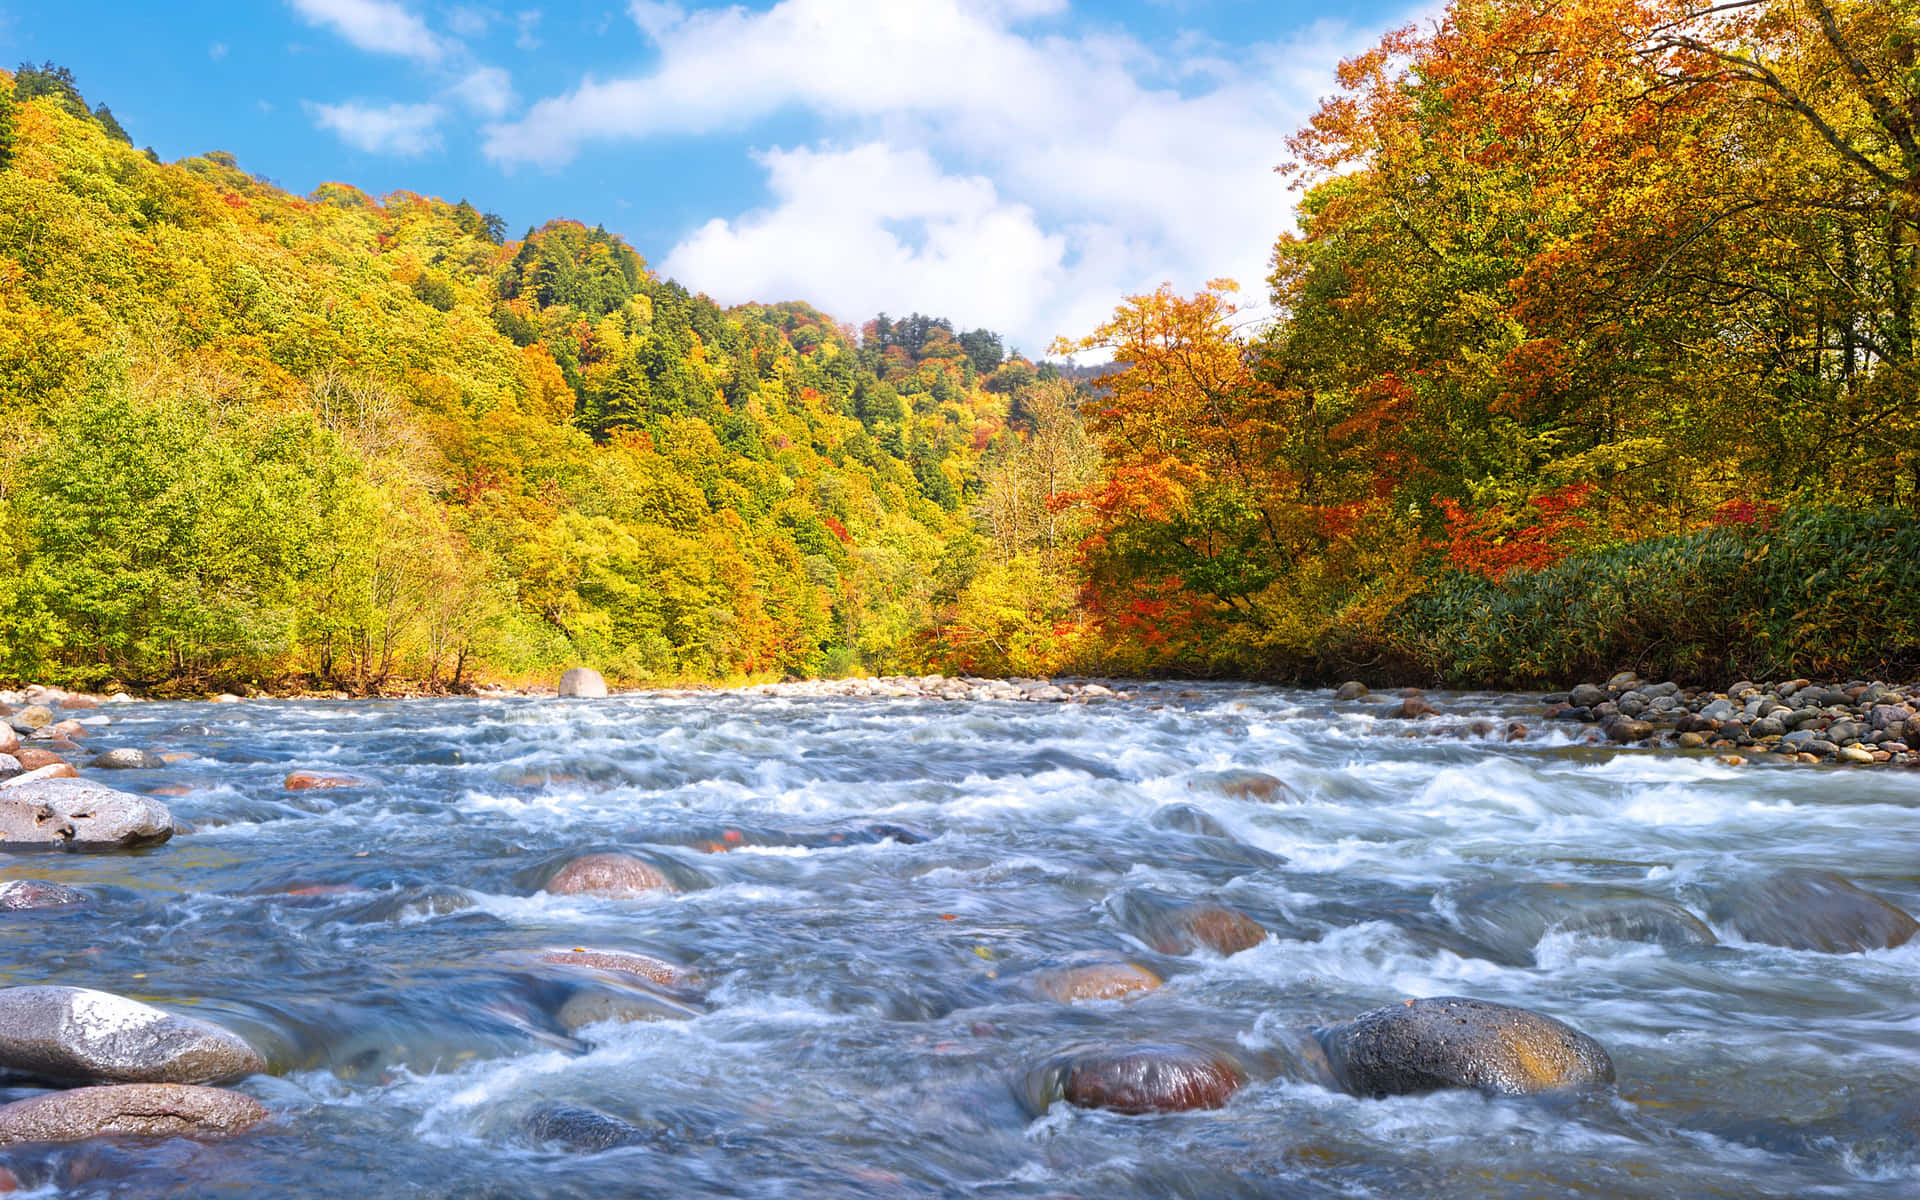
{"x":1018,"y":164}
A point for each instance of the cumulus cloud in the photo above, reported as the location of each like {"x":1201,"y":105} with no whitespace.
{"x":381,"y":26}
{"x":486,"y":90}
{"x":403,"y":130}
{"x":870,"y":228}
{"x":1114,"y":164}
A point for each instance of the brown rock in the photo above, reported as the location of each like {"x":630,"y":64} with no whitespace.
{"x":33,"y":758}
{"x":300,"y":781}
{"x":1413,"y":708}
{"x":608,"y":875}
{"x":9,"y":740}
{"x":1134,"y":1079}
{"x":1452,"y":1042}
{"x":33,"y":716}
{"x":1173,"y":926}
{"x":654,"y":970}
{"x":79,"y":702}
{"x":129,"y":1110}
{"x":1094,"y":981}
{"x":1256,"y":786}
{"x":57,"y":769}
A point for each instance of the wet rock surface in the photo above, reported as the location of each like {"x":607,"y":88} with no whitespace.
{"x":1135,"y":1080}
{"x":78,"y":815}
{"x":1093,"y":981}
{"x":79,"y":1036}
{"x":1511,"y":919}
{"x":1812,"y":910}
{"x":1173,"y":926}
{"x":1451,"y":1042}
{"x":609,"y":874}
{"x":143,"y":1110}
{"x":19,"y":895}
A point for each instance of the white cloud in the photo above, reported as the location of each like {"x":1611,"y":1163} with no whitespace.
{"x":471,"y":22}
{"x":217,"y":51}
{"x":404,"y":130}
{"x":526,"y":24}
{"x":1113,"y":165}
{"x":377,"y":25}
{"x":874,"y":228}
{"x":487,"y":91}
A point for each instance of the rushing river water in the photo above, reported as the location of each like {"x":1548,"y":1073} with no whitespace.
{"x":866,"y":1013}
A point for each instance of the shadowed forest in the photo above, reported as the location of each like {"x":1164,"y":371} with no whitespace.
{"x":1592,"y":345}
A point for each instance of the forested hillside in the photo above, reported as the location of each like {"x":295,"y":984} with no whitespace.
{"x":253,"y":437}
{"x":1597,"y":348}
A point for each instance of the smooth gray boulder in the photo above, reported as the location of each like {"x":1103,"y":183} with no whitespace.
{"x":74,"y":814}
{"x":129,"y":1110}
{"x":584,"y":682}
{"x":1452,"y":1042}
{"x":128,"y":758}
{"x":74,"y":1035}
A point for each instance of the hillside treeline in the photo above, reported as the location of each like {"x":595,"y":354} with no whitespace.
{"x":253,"y":438}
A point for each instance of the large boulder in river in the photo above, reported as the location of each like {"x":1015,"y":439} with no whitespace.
{"x":73,"y":814}
{"x":1811,"y":910}
{"x":128,"y":758}
{"x":129,"y":1110}
{"x":1135,"y":1079}
{"x":608,"y":875}
{"x":1450,"y":1042}
{"x":1510,"y":919}
{"x":77,"y":1035}
{"x":579,"y":1128}
{"x":1172,"y":926}
{"x":584,"y":682}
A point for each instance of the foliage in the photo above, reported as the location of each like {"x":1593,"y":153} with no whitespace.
{"x":362,"y":442}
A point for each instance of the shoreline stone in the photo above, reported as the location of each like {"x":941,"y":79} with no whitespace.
{"x":129,"y":1110}
{"x":74,"y":814}
{"x":70,"y":1035}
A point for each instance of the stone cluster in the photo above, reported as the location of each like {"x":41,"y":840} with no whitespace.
{"x":1862,"y":722}
{"x":941,"y":687}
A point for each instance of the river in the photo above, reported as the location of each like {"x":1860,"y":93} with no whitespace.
{"x":896,"y":873}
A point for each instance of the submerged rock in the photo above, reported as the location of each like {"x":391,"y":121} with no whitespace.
{"x":577,"y":1127}
{"x":1451,"y":1042}
{"x":1093,"y":981}
{"x":583,"y":682}
{"x":1138,"y":1079}
{"x":608,"y":875}
{"x":1413,"y":708}
{"x":301,"y":781}
{"x":1185,"y":818}
{"x":593,"y":1006}
{"x":77,"y":1035}
{"x":1353,"y":689}
{"x":1812,"y":910}
{"x":1257,"y":786}
{"x":129,"y":1110}
{"x":1173,"y":926}
{"x":1510,"y":919}
{"x":17,"y":895}
{"x":76,"y":815}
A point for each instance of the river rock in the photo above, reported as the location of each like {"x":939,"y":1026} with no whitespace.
{"x":1172,"y":926}
{"x":654,"y":970}
{"x":76,"y":815}
{"x":9,"y":766}
{"x":76,"y":702}
{"x":1453,"y":1042}
{"x":1351,"y":690}
{"x":129,"y":1110}
{"x":1413,"y":708}
{"x":9,"y":740}
{"x":1185,"y":818}
{"x":20,"y":895}
{"x":1626,"y":729}
{"x":594,"y":1006}
{"x":128,"y":759}
{"x":583,"y":682}
{"x":1510,"y":919}
{"x":608,"y":875}
{"x":1812,"y":910}
{"x":301,"y":781}
{"x":579,"y":1128}
{"x":1093,"y":981}
{"x":30,"y":718}
{"x":77,"y":1035}
{"x":1137,"y":1079}
{"x":1257,"y":786}
{"x":1587,"y":696}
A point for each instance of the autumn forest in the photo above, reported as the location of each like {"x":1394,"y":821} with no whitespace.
{"x":1591,"y":342}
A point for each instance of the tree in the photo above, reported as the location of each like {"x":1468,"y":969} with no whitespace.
{"x":6,"y":127}
{"x":103,"y":116}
